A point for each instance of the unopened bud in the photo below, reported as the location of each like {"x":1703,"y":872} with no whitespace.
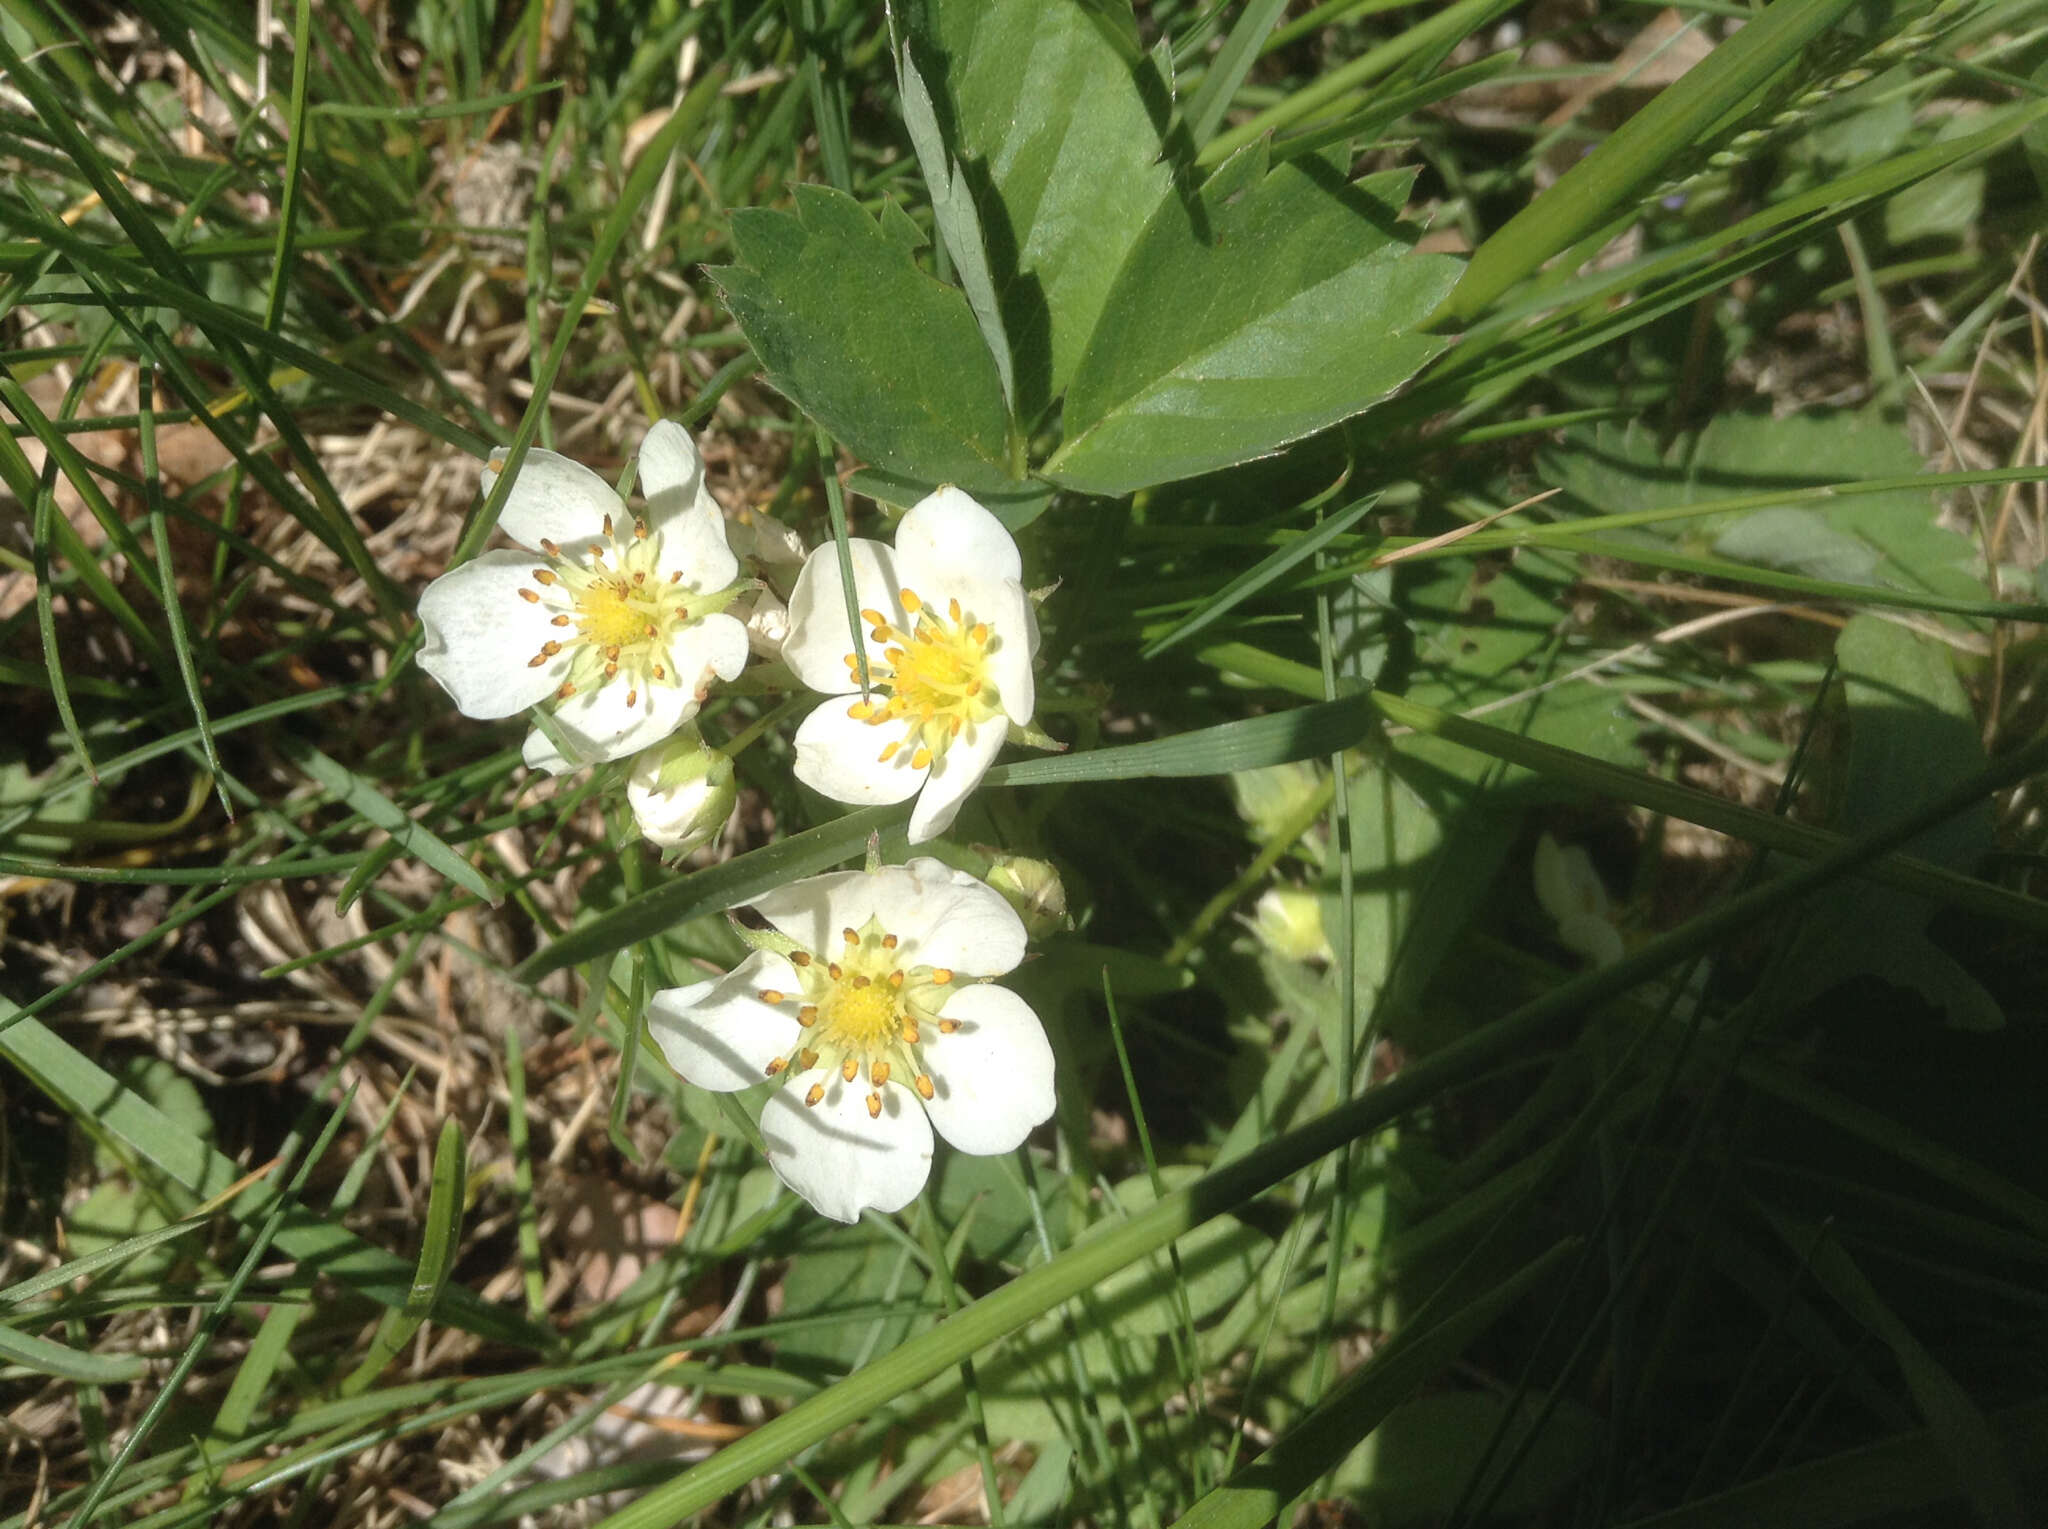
{"x":1035,"y":890}
{"x":1572,"y":893}
{"x":681,"y":792}
{"x":763,"y":538}
{"x":1273,"y":797}
{"x":1289,"y":923}
{"x":767,"y":623}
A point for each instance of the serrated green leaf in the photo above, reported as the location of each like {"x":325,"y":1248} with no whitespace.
{"x":1048,"y":115}
{"x":879,"y":353}
{"x":1276,"y":304}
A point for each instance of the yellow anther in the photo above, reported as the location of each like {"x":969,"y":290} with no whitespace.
{"x":948,"y":1026}
{"x":860,"y":711}
{"x":910,"y":1035}
{"x":529,"y":597}
{"x":889,"y":942}
{"x":550,"y":548}
{"x":607,"y":525}
{"x":874,"y":617}
{"x":851,"y":936}
{"x":817,"y":1092}
{"x":953,"y":610}
{"x":910,"y":600}
{"x":807,"y":1015}
{"x":861,"y":982}
{"x":878,"y":1073}
{"x":874,"y":1106}
{"x":543,"y":575}
{"x":924,"y":1085}
{"x":559,"y":621}
{"x":807,"y":1059}
{"x":639,"y":579}
{"x":568,"y":689}
{"x":639,"y":530}
{"x":632,"y":699}
{"x":777,"y":1065}
{"x":771,"y":995}
{"x":537,"y":660}
{"x":849,"y":1069}
{"x":889,"y":752}
{"x":921,"y":759}
{"x":550,"y":647}
{"x":799,"y":958}
{"x":896,"y":979}
{"x":942,"y":975}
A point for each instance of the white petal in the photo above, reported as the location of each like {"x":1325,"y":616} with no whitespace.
{"x":1010,"y":661}
{"x":540,"y":754}
{"x":669,"y":462}
{"x":953,"y":778}
{"x":554,"y":499}
{"x":819,"y":636}
{"x":947,"y":918}
{"x":480,"y":635}
{"x":993,"y":1076}
{"x":836,"y":1157}
{"x":692,"y":541}
{"x":719,"y":1034}
{"x":598,"y":724}
{"x":948,"y":535}
{"x":713,"y":647}
{"x":839,"y":756}
{"x":816,"y":911}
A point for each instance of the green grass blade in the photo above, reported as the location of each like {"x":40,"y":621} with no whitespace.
{"x":1305,"y":732}
{"x":1266,"y":572}
{"x":439,"y":1243}
{"x":1228,"y":66}
{"x":1603,"y":184}
{"x":362,"y":797}
{"x":54,"y":1359}
{"x":719,"y":887}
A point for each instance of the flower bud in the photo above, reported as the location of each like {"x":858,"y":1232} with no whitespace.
{"x":1289,"y":923}
{"x":1571,"y":892}
{"x":763,"y":538}
{"x":767,"y":624}
{"x":1269,"y":797}
{"x":1035,"y":890}
{"x":681,"y":792}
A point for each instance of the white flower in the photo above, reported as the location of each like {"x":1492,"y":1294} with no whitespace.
{"x":1571,"y":892}
{"x":680,"y":791}
{"x":878,"y":1021}
{"x":618,"y":621}
{"x":949,"y":661}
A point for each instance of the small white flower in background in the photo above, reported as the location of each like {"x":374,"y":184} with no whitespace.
{"x":680,"y":791}
{"x":880,"y":1022}
{"x":1571,"y":892}
{"x":949,"y":647}
{"x":617,"y":622}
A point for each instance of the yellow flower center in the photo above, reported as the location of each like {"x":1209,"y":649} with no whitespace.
{"x":932,"y":680}
{"x":617,"y":612}
{"x":863,"y":1014}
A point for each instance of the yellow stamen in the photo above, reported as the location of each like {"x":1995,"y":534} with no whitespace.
{"x":817,"y":1092}
{"x":874,"y":1106}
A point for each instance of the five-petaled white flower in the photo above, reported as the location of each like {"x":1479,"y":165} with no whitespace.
{"x":880,"y":1027}
{"x":949,"y":648}
{"x":617,"y":620}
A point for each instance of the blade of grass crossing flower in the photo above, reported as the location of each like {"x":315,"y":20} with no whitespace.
{"x":167,"y":578}
{"x":835,"y":510}
{"x":640,"y":183}
{"x":209,"y":1328}
{"x":439,"y":1243}
{"x":1630,"y":160}
{"x":1320,"y":1440}
{"x":1267,"y":571}
{"x":1229,"y":65}
{"x":716,"y":888}
{"x":1226,"y":1187}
